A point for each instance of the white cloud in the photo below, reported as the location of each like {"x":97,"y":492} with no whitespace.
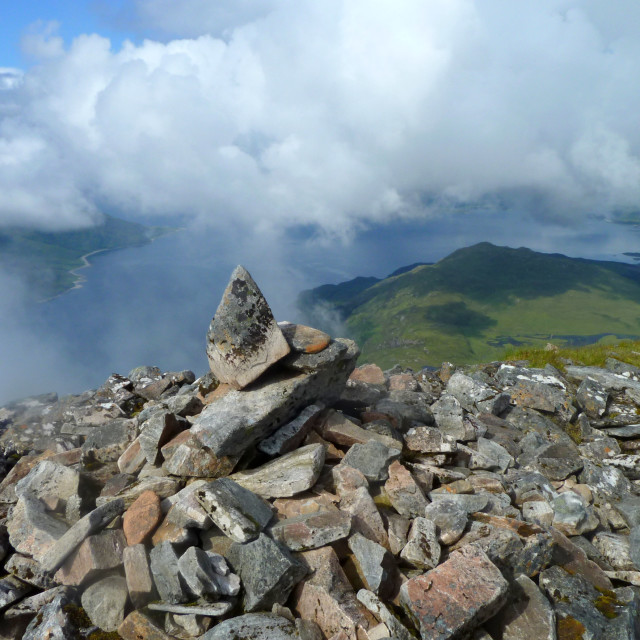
{"x":335,"y":114}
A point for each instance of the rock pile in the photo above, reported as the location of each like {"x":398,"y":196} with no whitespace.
{"x":302,"y":498}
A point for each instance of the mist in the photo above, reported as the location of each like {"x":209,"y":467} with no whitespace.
{"x":311,"y":142}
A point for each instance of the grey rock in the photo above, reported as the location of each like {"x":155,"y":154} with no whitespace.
{"x":184,"y":510}
{"x":371,"y":601}
{"x":450,"y":519}
{"x":375,"y":565}
{"x":575,"y":599}
{"x":606,"y":481}
{"x":634,"y":546}
{"x":198,"y":569}
{"x":571,"y":515}
{"x":254,"y":626}
{"x":398,"y":530}
{"x":157,"y":431}
{"x":50,"y":482}
{"x":240,"y":419}
{"x":366,"y":517}
{"x":372,"y":459}
{"x":166,"y":573}
{"x":609,"y":380}
{"x":422,"y":549}
{"x":291,"y":435}
{"x":212,"y":609}
{"x":162,"y":485}
{"x":105,"y":601}
{"x":267,"y":570}
{"x":107,"y":443}
{"x":53,"y":621}
{"x":495,"y":456}
{"x":592,"y":398}
{"x":509,"y":375}
{"x":468,"y":391}
{"x":92,"y":522}
{"x":28,"y":570}
{"x":528,"y":614}
{"x":448,"y":415}
{"x":469,"y":503}
{"x":624,"y":433}
{"x":185,"y":404}
{"x":404,"y":493}
{"x":538,"y":512}
{"x":556,"y":461}
{"x":32,"y":530}
{"x":238,"y":512}
{"x":11,"y":590}
{"x":542,"y":397}
{"x":287,"y":475}
{"x":616,"y":550}
{"x":312,"y":530}
{"x":244,"y":339}
{"x":429,"y":440}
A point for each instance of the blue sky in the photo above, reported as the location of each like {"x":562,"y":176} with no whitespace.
{"x":74,"y":17}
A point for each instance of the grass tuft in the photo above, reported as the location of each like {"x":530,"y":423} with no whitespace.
{"x":594,"y":355}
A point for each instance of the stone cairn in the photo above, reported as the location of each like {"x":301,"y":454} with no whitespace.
{"x":288,"y":495}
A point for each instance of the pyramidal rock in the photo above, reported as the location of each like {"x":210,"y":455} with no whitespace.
{"x":243,"y":339}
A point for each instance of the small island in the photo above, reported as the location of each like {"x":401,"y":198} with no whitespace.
{"x":49,"y":262}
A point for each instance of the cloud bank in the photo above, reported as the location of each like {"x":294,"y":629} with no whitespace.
{"x":332,"y":115}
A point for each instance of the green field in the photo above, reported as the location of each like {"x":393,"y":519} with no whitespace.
{"x":479,"y":301}
{"x":45,"y":260}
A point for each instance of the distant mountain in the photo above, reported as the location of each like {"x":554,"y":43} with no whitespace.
{"x":47,"y":261}
{"x":476,"y":302}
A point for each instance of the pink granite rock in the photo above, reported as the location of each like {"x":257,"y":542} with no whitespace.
{"x":455,"y":597}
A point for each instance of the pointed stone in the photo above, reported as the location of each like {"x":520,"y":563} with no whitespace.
{"x":244,"y":339}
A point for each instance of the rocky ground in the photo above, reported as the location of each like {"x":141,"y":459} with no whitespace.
{"x":288,"y":495}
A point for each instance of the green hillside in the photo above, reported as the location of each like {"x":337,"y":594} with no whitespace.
{"x":45,"y":260}
{"x":478,"y":301}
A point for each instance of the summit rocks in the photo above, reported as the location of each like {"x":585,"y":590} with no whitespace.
{"x":286,"y":494}
{"x":244,"y":339}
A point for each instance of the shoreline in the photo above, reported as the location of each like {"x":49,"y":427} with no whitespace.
{"x":80,"y":279}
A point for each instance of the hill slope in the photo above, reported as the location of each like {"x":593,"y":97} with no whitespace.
{"x":475,"y":302}
{"x":46,"y":260}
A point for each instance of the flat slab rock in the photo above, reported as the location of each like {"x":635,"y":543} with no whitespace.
{"x":240,"y":419}
{"x":455,"y":597}
{"x":244,"y":339}
{"x":254,"y":626}
{"x":285,"y":476}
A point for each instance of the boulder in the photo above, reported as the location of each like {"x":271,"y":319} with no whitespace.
{"x":244,"y":339}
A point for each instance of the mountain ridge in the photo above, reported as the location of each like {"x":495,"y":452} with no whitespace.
{"x":478,"y":300}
